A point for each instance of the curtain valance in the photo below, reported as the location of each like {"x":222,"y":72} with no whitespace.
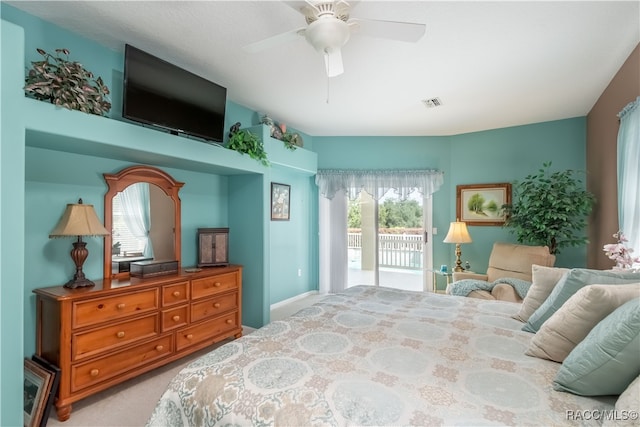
{"x":378,"y":182}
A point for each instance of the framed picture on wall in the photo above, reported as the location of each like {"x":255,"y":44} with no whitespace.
{"x":481,"y":204}
{"x":280,"y":197}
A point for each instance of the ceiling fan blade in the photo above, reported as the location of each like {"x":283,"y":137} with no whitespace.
{"x":274,"y":41}
{"x":402,"y":31}
{"x":333,"y":62}
{"x":300,"y":6}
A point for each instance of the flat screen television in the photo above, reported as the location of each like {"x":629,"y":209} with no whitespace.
{"x":161,"y":94}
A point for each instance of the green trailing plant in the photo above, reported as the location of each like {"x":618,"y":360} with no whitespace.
{"x":549,"y":209}
{"x":290,"y":140}
{"x":66,"y":83}
{"x":249,"y":143}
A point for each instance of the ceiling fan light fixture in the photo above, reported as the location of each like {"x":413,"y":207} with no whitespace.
{"x":327,"y":34}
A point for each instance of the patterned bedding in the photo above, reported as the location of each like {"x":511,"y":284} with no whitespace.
{"x":377,"y":356}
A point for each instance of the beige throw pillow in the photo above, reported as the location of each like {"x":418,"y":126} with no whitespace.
{"x":575,"y":319}
{"x":543,"y":279}
{"x":626,"y":407}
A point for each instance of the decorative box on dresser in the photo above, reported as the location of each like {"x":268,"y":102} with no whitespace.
{"x":116,"y":330}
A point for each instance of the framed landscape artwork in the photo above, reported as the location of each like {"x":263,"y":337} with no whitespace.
{"x":40,"y":387}
{"x":280,"y":196}
{"x":481,"y":204}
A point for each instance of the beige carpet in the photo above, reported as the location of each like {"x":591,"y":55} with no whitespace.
{"x":131,"y":403}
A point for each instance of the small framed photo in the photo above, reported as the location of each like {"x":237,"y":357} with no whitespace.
{"x":481,"y":204}
{"x":40,"y":388}
{"x":280,"y":197}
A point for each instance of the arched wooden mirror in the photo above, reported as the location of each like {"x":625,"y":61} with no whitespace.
{"x":142,"y":211}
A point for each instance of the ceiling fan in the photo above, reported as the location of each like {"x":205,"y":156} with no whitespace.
{"x":329,"y":27}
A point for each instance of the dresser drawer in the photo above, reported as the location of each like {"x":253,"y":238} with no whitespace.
{"x":175,"y":318}
{"x":212,"y":285}
{"x":98,"y":370}
{"x":86,"y":313}
{"x":206,"y":330}
{"x":214,"y":306}
{"x":90,"y":343}
{"x":178,"y":293}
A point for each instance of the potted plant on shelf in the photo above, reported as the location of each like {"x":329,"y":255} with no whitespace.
{"x":66,"y":83}
{"x":549,"y":209}
{"x":243,"y":141}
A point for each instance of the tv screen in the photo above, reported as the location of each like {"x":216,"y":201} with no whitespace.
{"x":161,"y":94}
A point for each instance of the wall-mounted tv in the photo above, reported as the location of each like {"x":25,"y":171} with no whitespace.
{"x":161,"y":94}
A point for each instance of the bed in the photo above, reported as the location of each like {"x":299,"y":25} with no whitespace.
{"x":377,"y":356}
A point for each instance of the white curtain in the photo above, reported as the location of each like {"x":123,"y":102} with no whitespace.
{"x":334,"y":188}
{"x":378,"y":182}
{"x":629,"y":174}
{"x":333,"y":243}
{"x":136,"y":208}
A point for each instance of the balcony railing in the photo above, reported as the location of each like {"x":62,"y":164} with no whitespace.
{"x":394,"y":250}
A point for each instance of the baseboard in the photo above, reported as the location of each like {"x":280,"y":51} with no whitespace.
{"x":292,"y":299}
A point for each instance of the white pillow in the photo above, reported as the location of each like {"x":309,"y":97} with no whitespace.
{"x":626,"y":407}
{"x":575,"y":319}
{"x":543,"y":280}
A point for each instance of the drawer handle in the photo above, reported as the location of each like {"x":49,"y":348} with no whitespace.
{"x":190,"y":336}
{"x":176,"y":294}
{"x":229,"y":321}
{"x":175,"y":318}
{"x":217,"y":284}
{"x":120,"y":334}
{"x":120,"y":306}
{"x":94,"y":372}
{"x":159,"y":347}
{"x":216,"y":305}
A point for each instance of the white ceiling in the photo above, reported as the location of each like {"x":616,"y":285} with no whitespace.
{"x":492,"y":64}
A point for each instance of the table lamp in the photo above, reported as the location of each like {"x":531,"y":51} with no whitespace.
{"x":458,"y":234}
{"x":79,"y":220}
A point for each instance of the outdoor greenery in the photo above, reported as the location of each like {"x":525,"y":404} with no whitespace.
{"x":550,"y":209}
{"x":66,"y":83}
{"x":391,"y":214}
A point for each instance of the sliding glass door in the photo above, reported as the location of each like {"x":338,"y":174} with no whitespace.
{"x":387,"y":243}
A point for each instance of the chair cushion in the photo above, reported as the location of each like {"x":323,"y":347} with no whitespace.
{"x":543,"y":281}
{"x":576,"y":279}
{"x":511,"y":260}
{"x":568,"y":326}
{"x":606,"y":361}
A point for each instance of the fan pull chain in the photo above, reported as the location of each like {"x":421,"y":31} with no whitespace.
{"x":327,"y":59}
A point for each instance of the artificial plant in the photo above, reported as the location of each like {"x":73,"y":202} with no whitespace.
{"x":66,"y":83}
{"x":243,"y":141}
{"x":549,"y":209}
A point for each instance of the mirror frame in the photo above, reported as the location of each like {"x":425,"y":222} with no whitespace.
{"x":118,"y":182}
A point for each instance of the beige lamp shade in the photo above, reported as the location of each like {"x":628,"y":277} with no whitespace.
{"x":79,"y":220}
{"x":458,"y":233}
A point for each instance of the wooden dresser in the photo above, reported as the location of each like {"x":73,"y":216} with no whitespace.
{"x":118,"y":329}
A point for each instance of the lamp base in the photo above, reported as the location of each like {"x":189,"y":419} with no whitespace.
{"x":79,"y":283}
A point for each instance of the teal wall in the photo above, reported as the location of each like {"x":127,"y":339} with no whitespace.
{"x":493,"y":156}
{"x":12,"y":225}
{"x":288,"y":253}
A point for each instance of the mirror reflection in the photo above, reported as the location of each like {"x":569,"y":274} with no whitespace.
{"x":142,"y":210}
{"x":143,"y":226}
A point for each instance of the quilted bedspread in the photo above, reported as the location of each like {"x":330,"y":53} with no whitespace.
{"x":376,"y":356}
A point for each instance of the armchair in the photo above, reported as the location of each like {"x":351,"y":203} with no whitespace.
{"x":507,"y":260}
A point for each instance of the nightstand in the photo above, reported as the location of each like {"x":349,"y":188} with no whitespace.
{"x":447,"y":275}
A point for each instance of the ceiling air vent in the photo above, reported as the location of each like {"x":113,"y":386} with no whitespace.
{"x":432,"y":102}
